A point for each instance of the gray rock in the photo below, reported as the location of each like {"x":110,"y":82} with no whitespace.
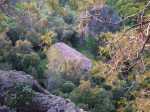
{"x":65,"y":63}
{"x":51,"y":103}
{"x":60,"y":54}
{"x":103,"y":19}
{"x":9,"y":79}
{"x":4,"y":109}
{"x":41,"y":102}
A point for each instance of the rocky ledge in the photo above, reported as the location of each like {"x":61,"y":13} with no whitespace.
{"x":41,"y":101}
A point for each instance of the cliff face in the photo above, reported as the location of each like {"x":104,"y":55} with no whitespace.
{"x":41,"y":101}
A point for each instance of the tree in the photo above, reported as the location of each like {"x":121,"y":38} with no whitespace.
{"x":95,"y":99}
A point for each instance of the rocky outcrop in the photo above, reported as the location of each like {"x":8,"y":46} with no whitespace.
{"x":51,"y":103}
{"x":102,"y":19}
{"x":42,"y":101}
{"x":9,"y":79}
{"x":4,"y":109}
{"x":65,"y":63}
{"x":60,"y":54}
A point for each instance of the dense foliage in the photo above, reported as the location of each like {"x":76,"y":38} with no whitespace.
{"x":118,"y":81}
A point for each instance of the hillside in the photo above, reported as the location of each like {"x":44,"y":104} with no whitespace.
{"x":74,"y":56}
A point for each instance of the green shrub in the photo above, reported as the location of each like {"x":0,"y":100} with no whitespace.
{"x":22,"y":96}
{"x":88,"y":46}
{"x":15,"y":34}
{"x":67,"y":87}
{"x":97,"y":80}
{"x":97,"y":99}
{"x":5,"y":66}
{"x":146,"y":82}
{"x":103,"y":102}
{"x":133,"y":6}
{"x":6,"y":22}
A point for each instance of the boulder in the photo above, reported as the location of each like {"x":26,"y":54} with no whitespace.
{"x":51,"y":103}
{"x":42,"y":101}
{"x":102,"y":19}
{"x":66,"y":63}
{"x":61,"y":57}
{"x":9,"y":79}
{"x":4,"y":109}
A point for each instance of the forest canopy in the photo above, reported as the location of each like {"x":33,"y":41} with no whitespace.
{"x":96,"y":53}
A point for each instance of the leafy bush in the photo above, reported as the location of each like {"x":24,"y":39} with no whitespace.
{"x":88,"y":46}
{"x":146,"y":82}
{"x":133,"y":7}
{"x":67,"y":87}
{"x":103,"y":47}
{"x":6,"y":22}
{"x":22,"y":57}
{"x":122,"y":5}
{"x":97,"y":99}
{"x":22,"y":96}
{"x":15,"y":34}
{"x":47,"y":40}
